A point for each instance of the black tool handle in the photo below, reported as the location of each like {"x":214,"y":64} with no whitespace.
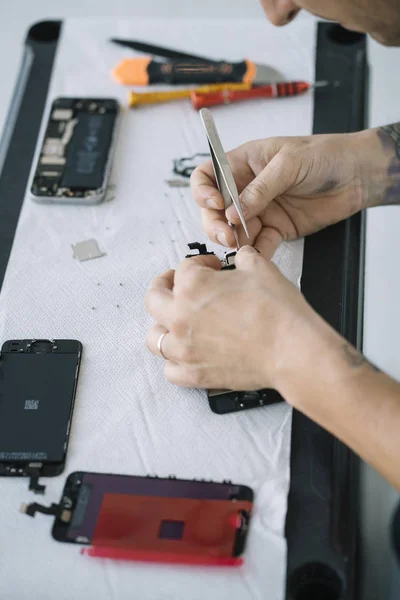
{"x":179,"y":72}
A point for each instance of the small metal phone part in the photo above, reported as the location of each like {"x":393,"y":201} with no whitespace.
{"x":187,"y":164}
{"x":76,"y":153}
{"x":227,"y":263}
{"x":87,"y":250}
{"x":177,"y":183}
{"x":201,"y":250}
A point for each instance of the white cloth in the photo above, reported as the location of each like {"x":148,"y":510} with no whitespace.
{"x":128,"y":419}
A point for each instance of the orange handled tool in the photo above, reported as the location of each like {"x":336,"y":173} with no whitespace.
{"x":274,"y":90}
{"x":137,"y":98}
{"x":183,"y":68}
{"x":145,"y":71}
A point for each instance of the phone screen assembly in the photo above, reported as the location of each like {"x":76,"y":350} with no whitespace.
{"x":227,"y":401}
{"x":75,"y":158}
{"x":37,"y":395}
{"x":153,"y":519}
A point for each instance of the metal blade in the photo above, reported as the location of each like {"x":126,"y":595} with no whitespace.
{"x":266,"y":74}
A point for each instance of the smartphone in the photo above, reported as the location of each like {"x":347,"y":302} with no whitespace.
{"x":153,"y":519}
{"x":74,"y":162}
{"x":37,"y":395}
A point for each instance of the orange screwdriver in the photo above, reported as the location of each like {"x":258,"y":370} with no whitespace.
{"x":274,"y":90}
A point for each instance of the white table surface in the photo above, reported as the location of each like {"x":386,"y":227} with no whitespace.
{"x":382,"y":284}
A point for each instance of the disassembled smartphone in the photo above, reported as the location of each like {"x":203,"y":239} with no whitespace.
{"x":226,"y":401}
{"x":37,"y":396}
{"x":152,"y":519}
{"x":75,"y":158}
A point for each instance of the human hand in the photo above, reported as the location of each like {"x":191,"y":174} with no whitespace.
{"x":291,"y":186}
{"x":235,"y":329}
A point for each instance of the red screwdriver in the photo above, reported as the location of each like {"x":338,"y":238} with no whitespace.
{"x":273,"y":90}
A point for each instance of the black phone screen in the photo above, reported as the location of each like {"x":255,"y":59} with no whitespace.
{"x":37,"y":392}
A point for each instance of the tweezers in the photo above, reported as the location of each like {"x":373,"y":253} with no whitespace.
{"x":222,"y":170}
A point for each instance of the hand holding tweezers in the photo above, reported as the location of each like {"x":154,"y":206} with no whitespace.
{"x":222,"y":170}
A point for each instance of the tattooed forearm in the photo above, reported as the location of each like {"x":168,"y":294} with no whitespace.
{"x":355,"y":359}
{"x":393,"y":131}
{"x":390,"y":140}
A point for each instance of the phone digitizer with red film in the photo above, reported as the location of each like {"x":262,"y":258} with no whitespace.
{"x":73,"y":162}
{"x":155,"y":520}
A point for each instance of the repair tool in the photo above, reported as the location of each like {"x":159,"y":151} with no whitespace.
{"x":223,"y":173}
{"x":137,"y":98}
{"x":181,"y":68}
{"x":202,"y":99}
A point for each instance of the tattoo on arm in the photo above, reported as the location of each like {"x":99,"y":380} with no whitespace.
{"x":393,"y":131}
{"x":390,"y":140}
{"x":355,"y":359}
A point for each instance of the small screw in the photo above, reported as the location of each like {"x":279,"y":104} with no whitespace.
{"x":121,"y":284}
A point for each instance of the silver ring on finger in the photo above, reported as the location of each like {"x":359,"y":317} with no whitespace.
{"x":159,"y":344}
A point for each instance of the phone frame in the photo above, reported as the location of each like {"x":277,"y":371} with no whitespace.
{"x":82,"y":201}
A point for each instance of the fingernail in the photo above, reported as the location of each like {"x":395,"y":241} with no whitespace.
{"x":221,"y":237}
{"x":247,"y":249}
{"x":211,"y":203}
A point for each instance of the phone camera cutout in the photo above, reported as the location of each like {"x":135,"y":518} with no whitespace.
{"x":41,"y":347}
